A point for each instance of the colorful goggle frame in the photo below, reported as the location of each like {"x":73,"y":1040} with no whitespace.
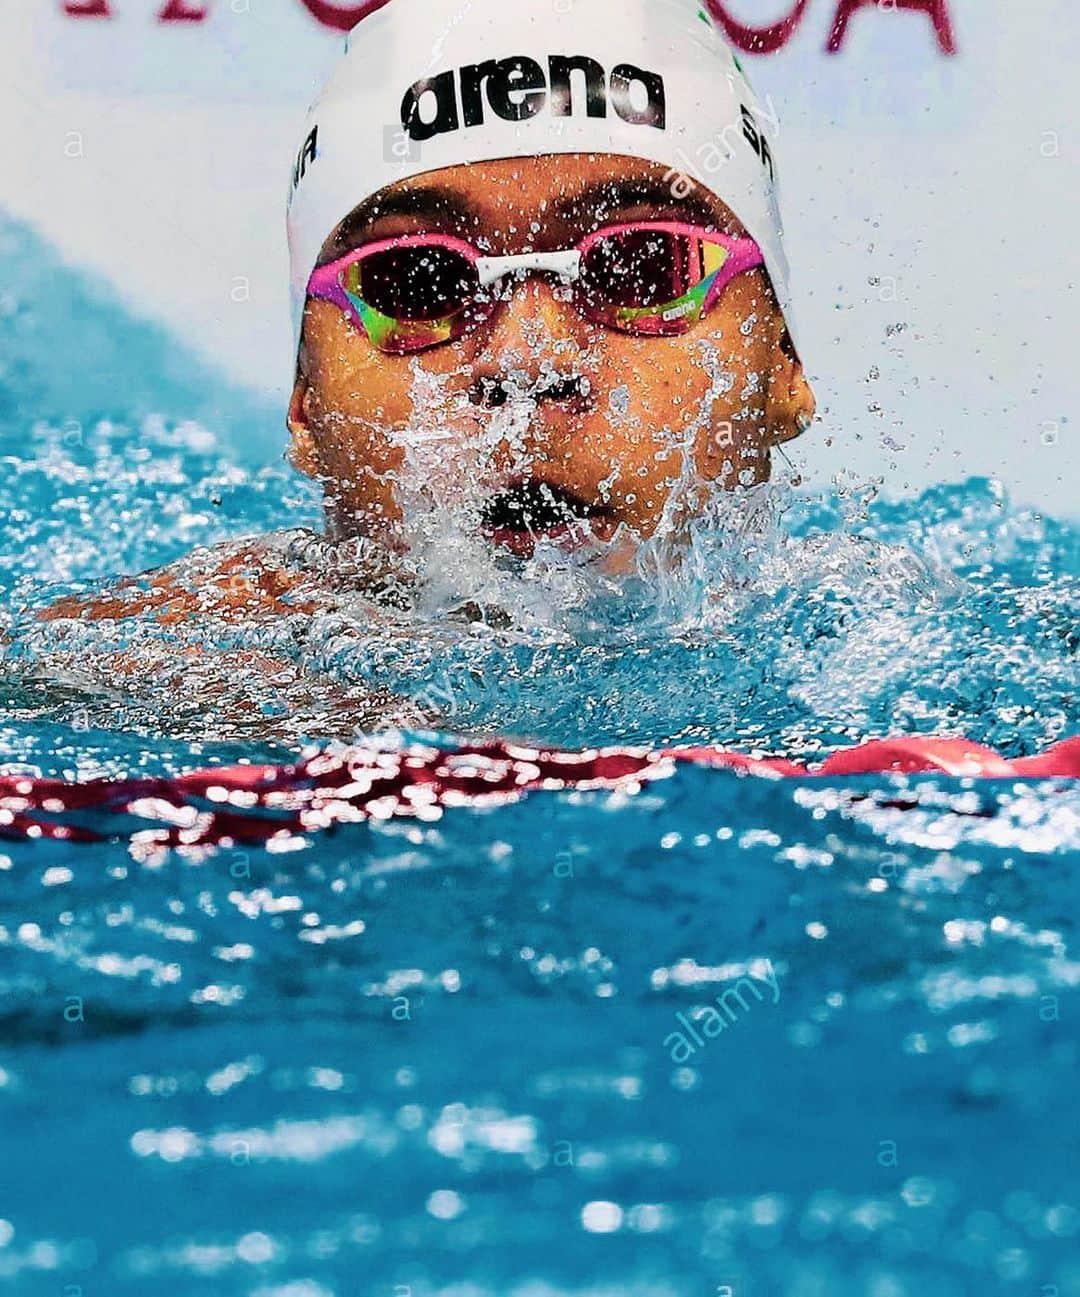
{"x":654,"y":278}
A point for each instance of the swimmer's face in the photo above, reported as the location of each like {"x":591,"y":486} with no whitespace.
{"x":539,"y":412}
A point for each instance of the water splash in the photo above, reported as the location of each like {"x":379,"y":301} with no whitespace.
{"x":791,"y":624}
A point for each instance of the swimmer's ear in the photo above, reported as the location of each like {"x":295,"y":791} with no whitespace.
{"x":302,"y":446}
{"x":791,"y":405}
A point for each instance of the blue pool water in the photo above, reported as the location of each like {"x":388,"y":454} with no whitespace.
{"x":416,"y":1059}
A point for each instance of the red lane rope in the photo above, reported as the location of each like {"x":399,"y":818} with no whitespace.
{"x":254,"y":804}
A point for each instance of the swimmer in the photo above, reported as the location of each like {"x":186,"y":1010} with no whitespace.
{"x":539,"y":289}
{"x":532,"y":230}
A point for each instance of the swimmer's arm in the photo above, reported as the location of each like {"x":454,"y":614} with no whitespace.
{"x":194,"y":679}
{"x":237,"y":585}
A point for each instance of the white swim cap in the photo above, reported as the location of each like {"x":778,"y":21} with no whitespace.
{"x":426,"y":84}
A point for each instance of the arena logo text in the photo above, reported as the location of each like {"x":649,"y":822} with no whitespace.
{"x":337,"y":15}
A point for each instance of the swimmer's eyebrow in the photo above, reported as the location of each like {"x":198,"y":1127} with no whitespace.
{"x":609,"y":197}
{"x":424,"y":200}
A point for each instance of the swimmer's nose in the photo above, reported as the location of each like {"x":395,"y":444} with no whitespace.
{"x":532,"y":348}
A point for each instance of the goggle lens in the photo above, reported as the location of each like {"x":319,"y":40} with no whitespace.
{"x":413,"y":296}
{"x":649,"y":281}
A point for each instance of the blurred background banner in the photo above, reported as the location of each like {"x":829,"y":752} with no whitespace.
{"x":927,"y":154}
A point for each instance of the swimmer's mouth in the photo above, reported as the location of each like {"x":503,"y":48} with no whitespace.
{"x":532,"y":510}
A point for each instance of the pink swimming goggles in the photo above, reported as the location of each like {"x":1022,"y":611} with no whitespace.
{"x":654,"y":278}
